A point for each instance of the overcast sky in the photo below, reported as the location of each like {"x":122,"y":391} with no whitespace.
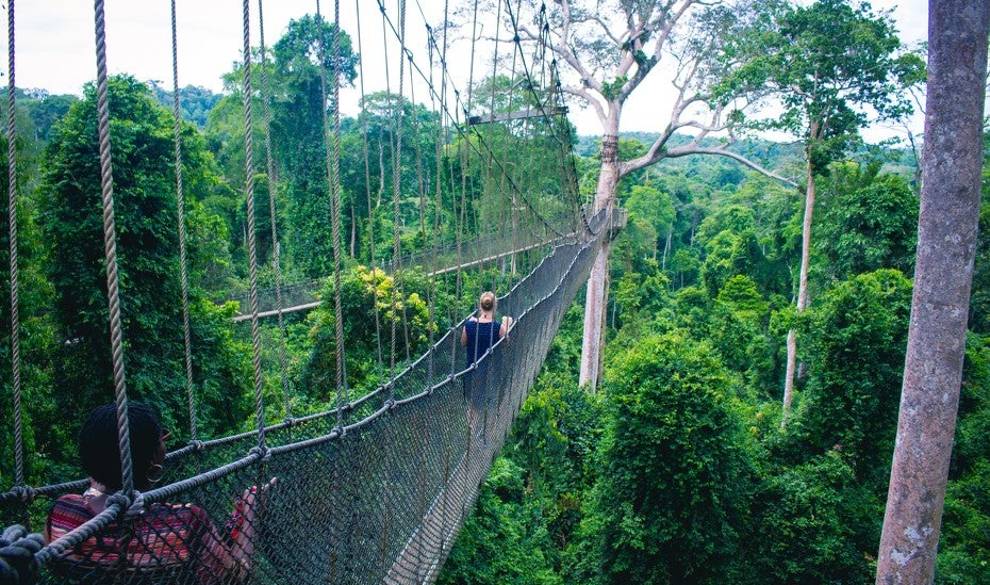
{"x":55,"y":47}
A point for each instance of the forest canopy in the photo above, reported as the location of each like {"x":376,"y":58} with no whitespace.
{"x":757,"y":303}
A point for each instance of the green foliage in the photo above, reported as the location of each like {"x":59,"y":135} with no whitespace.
{"x":504,"y":542}
{"x":195,"y":102}
{"x":814,"y":523}
{"x":869,"y":221}
{"x":729,"y":254}
{"x":141,"y":133}
{"x":963,"y":554}
{"x":654,"y":209}
{"x":675,"y":478}
{"x":979,"y":315}
{"x":363,"y":293}
{"x":826,"y":61}
{"x":857,"y":334}
{"x":37,"y":332}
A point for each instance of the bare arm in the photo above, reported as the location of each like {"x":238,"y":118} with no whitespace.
{"x":507,"y":322}
{"x":464,"y":336}
{"x":235,"y":558}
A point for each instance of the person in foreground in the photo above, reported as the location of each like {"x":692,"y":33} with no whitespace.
{"x":479,"y":334}
{"x":163,"y":536}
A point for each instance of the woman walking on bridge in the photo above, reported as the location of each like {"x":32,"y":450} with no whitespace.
{"x":478,"y":336}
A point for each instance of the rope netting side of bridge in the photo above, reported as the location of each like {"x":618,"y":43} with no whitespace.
{"x":378,"y":499}
{"x":446,"y":259}
{"x":372,"y":488}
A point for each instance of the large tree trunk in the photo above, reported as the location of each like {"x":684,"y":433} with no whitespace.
{"x":594,"y":305}
{"x":947,"y":231}
{"x":802,"y":299}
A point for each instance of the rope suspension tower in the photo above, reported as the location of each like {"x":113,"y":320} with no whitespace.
{"x":180,"y":202}
{"x":15,"y":319}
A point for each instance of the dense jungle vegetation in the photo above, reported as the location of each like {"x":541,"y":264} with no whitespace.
{"x":677,"y":470}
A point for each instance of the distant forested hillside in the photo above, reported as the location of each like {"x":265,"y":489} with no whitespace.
{"x":196,"y":102}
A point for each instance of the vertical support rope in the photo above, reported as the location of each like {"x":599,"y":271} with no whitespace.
{"x":397,"y":175}
{"x":110,"y":253}
{"x":341,"y":371}
{"x":180,"y":202}
{"x":367,"y":184}
{"x":331,"y":137}
{"x":15,"y":316}
{"x":259,"y":403}
{"x":266,"y":99}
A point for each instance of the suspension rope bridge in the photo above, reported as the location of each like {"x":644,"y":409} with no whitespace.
{"x":373,"y":488}
{"x":302,"y":295}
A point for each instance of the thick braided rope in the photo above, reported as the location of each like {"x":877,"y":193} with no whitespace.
{"x":341,"y":371}
{"x":266,"y":103}
{"x":259,"y":403}
{"x":397,"y":172}
{"x":332,"y":160}
{"x":15,"y":317}
{"x":435,"y":229}
{"x":367,"y":184}
{"x":397,"y":263}
{"x":391,"y":142}
{"x":110,"y":253}
{"x":180,"y":202}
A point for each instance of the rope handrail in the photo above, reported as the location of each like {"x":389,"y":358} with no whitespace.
{"x":57,"y":489}
{"x":415,"y":449}
{"x":58,"y":547}
{"x":427,"y":259}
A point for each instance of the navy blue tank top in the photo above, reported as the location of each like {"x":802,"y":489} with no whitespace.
{"x":480,"y":337}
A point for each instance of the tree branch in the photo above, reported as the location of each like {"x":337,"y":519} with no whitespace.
{"x":563,"y":48}
{"x":689,"y":150}
{"x":584,"y":94}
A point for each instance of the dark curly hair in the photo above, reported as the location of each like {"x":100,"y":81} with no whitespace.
{"x":99,"y":450}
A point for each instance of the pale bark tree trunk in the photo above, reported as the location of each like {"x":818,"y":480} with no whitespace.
{"x":947,"y":238}
{"x":594,"y":307}
{"x":353,"y":232}
{"x":666,"y":249}
{"x":802,"y":299}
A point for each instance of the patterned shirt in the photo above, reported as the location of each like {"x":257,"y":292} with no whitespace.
{"x":165,"y":537}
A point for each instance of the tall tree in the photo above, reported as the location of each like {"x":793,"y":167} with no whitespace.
{"x":297,"y":133}
{"x":148,"y":260}
{"x":947,"y":240}
{"x":826,"y":64}
{"x":610,"y":48}
{"x":675,"y":480}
